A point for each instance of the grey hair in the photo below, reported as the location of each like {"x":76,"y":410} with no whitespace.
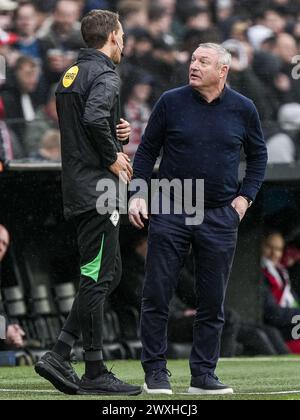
{"x":225,"y":57}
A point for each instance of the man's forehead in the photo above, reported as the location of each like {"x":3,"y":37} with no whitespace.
{"x":275,"y":239}
{"x":66,"y":5}
{"x":205,"y":53}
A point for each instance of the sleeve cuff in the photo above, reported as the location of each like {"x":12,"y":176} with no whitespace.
{"x":109,"y":162}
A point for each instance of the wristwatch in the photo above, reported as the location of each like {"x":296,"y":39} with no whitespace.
{"x":249,"y":201}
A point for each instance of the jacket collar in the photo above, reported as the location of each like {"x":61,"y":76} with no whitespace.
{"x":90,"y":54}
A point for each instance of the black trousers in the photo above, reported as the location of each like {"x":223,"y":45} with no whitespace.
{"x":101,"y":270}
{"x":214,"y":244}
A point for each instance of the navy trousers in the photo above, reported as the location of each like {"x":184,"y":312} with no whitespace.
{"x":214,"y":243}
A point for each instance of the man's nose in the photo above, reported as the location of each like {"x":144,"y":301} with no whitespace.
{"x":194,"y":67}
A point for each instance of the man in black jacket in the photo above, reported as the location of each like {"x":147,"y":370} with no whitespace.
{"x":92,"y":135}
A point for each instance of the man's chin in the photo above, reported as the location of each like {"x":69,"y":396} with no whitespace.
{"x":196,"y":84}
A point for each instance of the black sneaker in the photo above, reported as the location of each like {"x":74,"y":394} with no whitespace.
{"x":157,"y":382}
{"x":208,"y":385}
{"x":107,"y":384}
{"x":59,"y":372}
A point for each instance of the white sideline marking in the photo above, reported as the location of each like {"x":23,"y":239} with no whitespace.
{"x":261,"y":360}
{"x":272,"y":393}
{"x":244,"y":394}
{"x":50,"y":391}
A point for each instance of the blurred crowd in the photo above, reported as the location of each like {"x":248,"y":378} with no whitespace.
{"x":40,"y":39}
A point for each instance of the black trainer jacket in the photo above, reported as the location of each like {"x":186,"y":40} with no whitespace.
{"x":88,"y":106}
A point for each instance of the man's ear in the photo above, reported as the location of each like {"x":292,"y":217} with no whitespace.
{"x":113,"y":38}
{"x":223,"y":71}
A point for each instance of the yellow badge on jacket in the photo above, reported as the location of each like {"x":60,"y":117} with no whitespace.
{"x":70,"y":76}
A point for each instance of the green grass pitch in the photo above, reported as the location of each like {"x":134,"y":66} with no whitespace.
{"x":252,"y":379}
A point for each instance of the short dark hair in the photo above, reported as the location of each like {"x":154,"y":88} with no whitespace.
{"x":25,"y":60}
{"x":156,"y":12}
{"x":193,"y":11}
{"x":96,"y":27}
{"x":275,"y":9}
{"x":128,"y":7}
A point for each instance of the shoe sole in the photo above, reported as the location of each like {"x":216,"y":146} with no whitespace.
{"x":199,"y":391}
{"x":46,"y":371}
{"x":157,"y":391}
{"x":111,"y":394}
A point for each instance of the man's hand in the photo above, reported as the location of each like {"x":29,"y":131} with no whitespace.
{"x":122,"y":168}
{"x":138,"y":208}
{"x":241,"y":205}
{"x":15,"y":336}
{"x":123,"y":130}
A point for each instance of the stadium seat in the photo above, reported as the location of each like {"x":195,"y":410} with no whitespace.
{"x":64,"y":298}
{"x":16,"y":309}
{"x":14,"y":302}
{"x":46,"y":319}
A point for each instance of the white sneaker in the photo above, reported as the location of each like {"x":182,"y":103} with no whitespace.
{"x":157,"y":391}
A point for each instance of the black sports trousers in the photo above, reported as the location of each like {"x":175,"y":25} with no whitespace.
{"x":101,"y":270}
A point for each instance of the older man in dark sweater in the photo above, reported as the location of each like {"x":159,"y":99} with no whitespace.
{"x":201,"y":129}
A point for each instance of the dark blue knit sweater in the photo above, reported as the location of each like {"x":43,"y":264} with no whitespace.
{"x":204,"y":141}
